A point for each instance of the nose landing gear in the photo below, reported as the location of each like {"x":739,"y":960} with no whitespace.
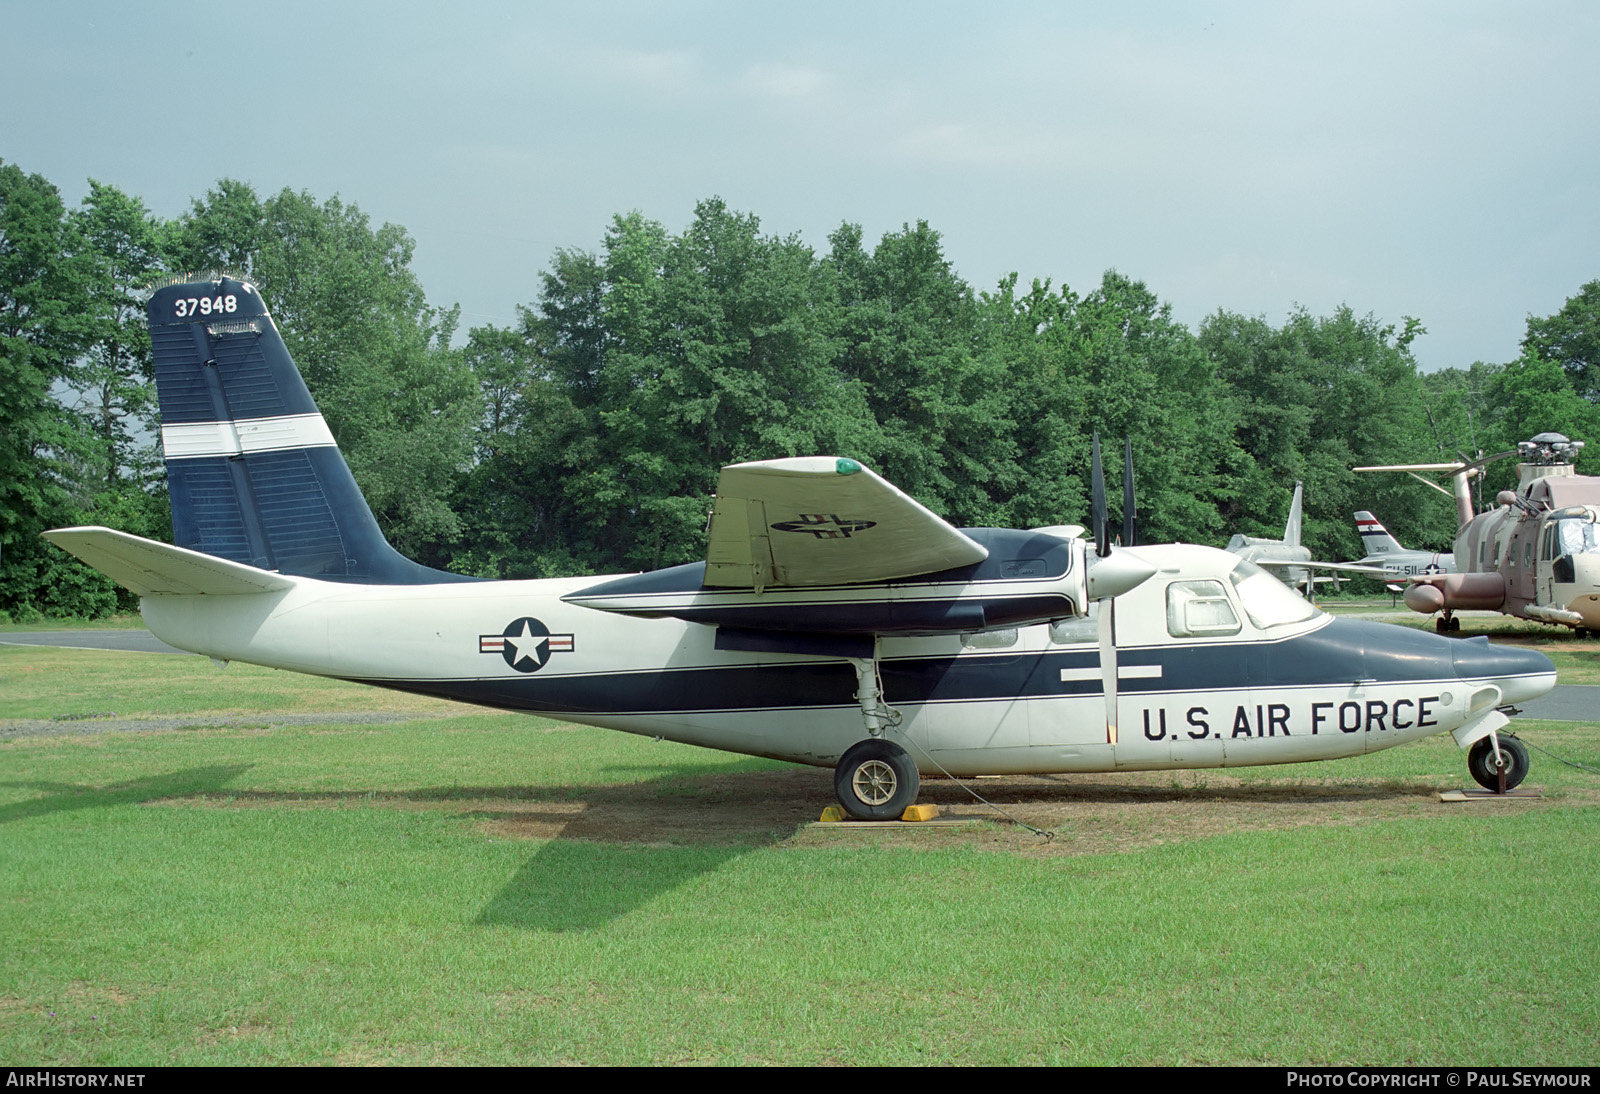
{"x":1487,"y":770}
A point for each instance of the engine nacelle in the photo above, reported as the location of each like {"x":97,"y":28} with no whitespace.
{"x":1483,"y":592}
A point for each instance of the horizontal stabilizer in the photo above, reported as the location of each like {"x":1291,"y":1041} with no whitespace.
{"x":820,"y":520}
{"x":148,"y":568}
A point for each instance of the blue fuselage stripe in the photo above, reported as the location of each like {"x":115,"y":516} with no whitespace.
{"x":1342,"y":653}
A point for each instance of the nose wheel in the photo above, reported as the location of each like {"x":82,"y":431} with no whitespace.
{"x":876,"y":780}
{"x":1486,"y":769}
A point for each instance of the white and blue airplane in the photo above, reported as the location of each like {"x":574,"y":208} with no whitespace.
{"x":835,"y":622}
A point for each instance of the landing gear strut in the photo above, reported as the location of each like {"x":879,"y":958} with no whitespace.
{"x":876,"y":779}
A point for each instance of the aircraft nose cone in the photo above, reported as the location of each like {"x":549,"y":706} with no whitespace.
{"x":1520,"y":674}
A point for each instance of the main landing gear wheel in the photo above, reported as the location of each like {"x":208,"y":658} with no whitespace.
{"x":1446,"y":623}
{"x":1480,"y":761}
{"x":876,"y":780}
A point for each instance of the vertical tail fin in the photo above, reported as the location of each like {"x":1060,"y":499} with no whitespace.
{"x":255,"y":474}
{"x":1291,"y":530}
{"x":1374,"y":536}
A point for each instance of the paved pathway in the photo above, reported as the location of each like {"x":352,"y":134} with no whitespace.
{"x":131,"y":641}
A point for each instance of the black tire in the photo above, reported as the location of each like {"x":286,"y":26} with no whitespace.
{"x":876,"y":780}
{"x":1480,"y":761}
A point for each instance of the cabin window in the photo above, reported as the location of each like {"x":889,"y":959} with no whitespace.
{"x":1197,"y":608}
{"x":1527,"y":553}
{"x":990,"y":640}
{"x":1075,"y":632}
{"x":1483,"y":555}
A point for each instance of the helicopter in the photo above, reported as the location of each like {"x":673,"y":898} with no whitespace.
{"x":1534,"y":555}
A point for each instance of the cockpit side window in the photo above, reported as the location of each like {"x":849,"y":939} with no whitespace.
{"x":1577,"y":537}
{"x":1267,"y":601}
{"x":1199,"y":608}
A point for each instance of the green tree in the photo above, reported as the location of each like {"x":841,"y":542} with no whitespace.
{"x":1571,"y":338}
{"x":113,"y":384}
{"x":47,"y":318}
{"x":655,"y":363}
{"x":909,"y":337}
{"x":1316,"y":398}
{"x":1049,"y":409}
{"x":1535,"y":395}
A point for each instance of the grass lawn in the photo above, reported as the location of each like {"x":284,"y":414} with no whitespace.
{"x":279,"y":878}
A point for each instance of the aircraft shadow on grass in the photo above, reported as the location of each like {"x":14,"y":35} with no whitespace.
{"x":64,"y":797}
{"x":601,"y":852}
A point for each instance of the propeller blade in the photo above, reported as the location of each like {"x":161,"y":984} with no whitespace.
{"x":1129,"y":529}
{"x":1097,"y":501}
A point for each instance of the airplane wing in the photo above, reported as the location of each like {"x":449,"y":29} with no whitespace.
{"x":1340,"y":567}
{"x":822,"y":520}
{"x":149,"y":568}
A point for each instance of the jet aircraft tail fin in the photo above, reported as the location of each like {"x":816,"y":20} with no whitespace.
{"x":256,"y":476}
{"x":1374,"y":536}
{"x":1291,"y":529}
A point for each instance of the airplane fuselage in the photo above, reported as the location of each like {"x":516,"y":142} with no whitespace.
{"x":1028,"y":699}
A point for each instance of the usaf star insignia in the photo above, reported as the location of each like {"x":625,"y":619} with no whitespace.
{"x":526,"y":644}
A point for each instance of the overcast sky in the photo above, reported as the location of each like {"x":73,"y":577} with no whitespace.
{"x":1435,"y":160}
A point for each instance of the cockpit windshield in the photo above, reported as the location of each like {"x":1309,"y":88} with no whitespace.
{"x":1267,"y":601}
{"x":1577,"y":537}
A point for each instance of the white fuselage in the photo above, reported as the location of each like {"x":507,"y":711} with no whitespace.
{"x":1028,"y":700}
